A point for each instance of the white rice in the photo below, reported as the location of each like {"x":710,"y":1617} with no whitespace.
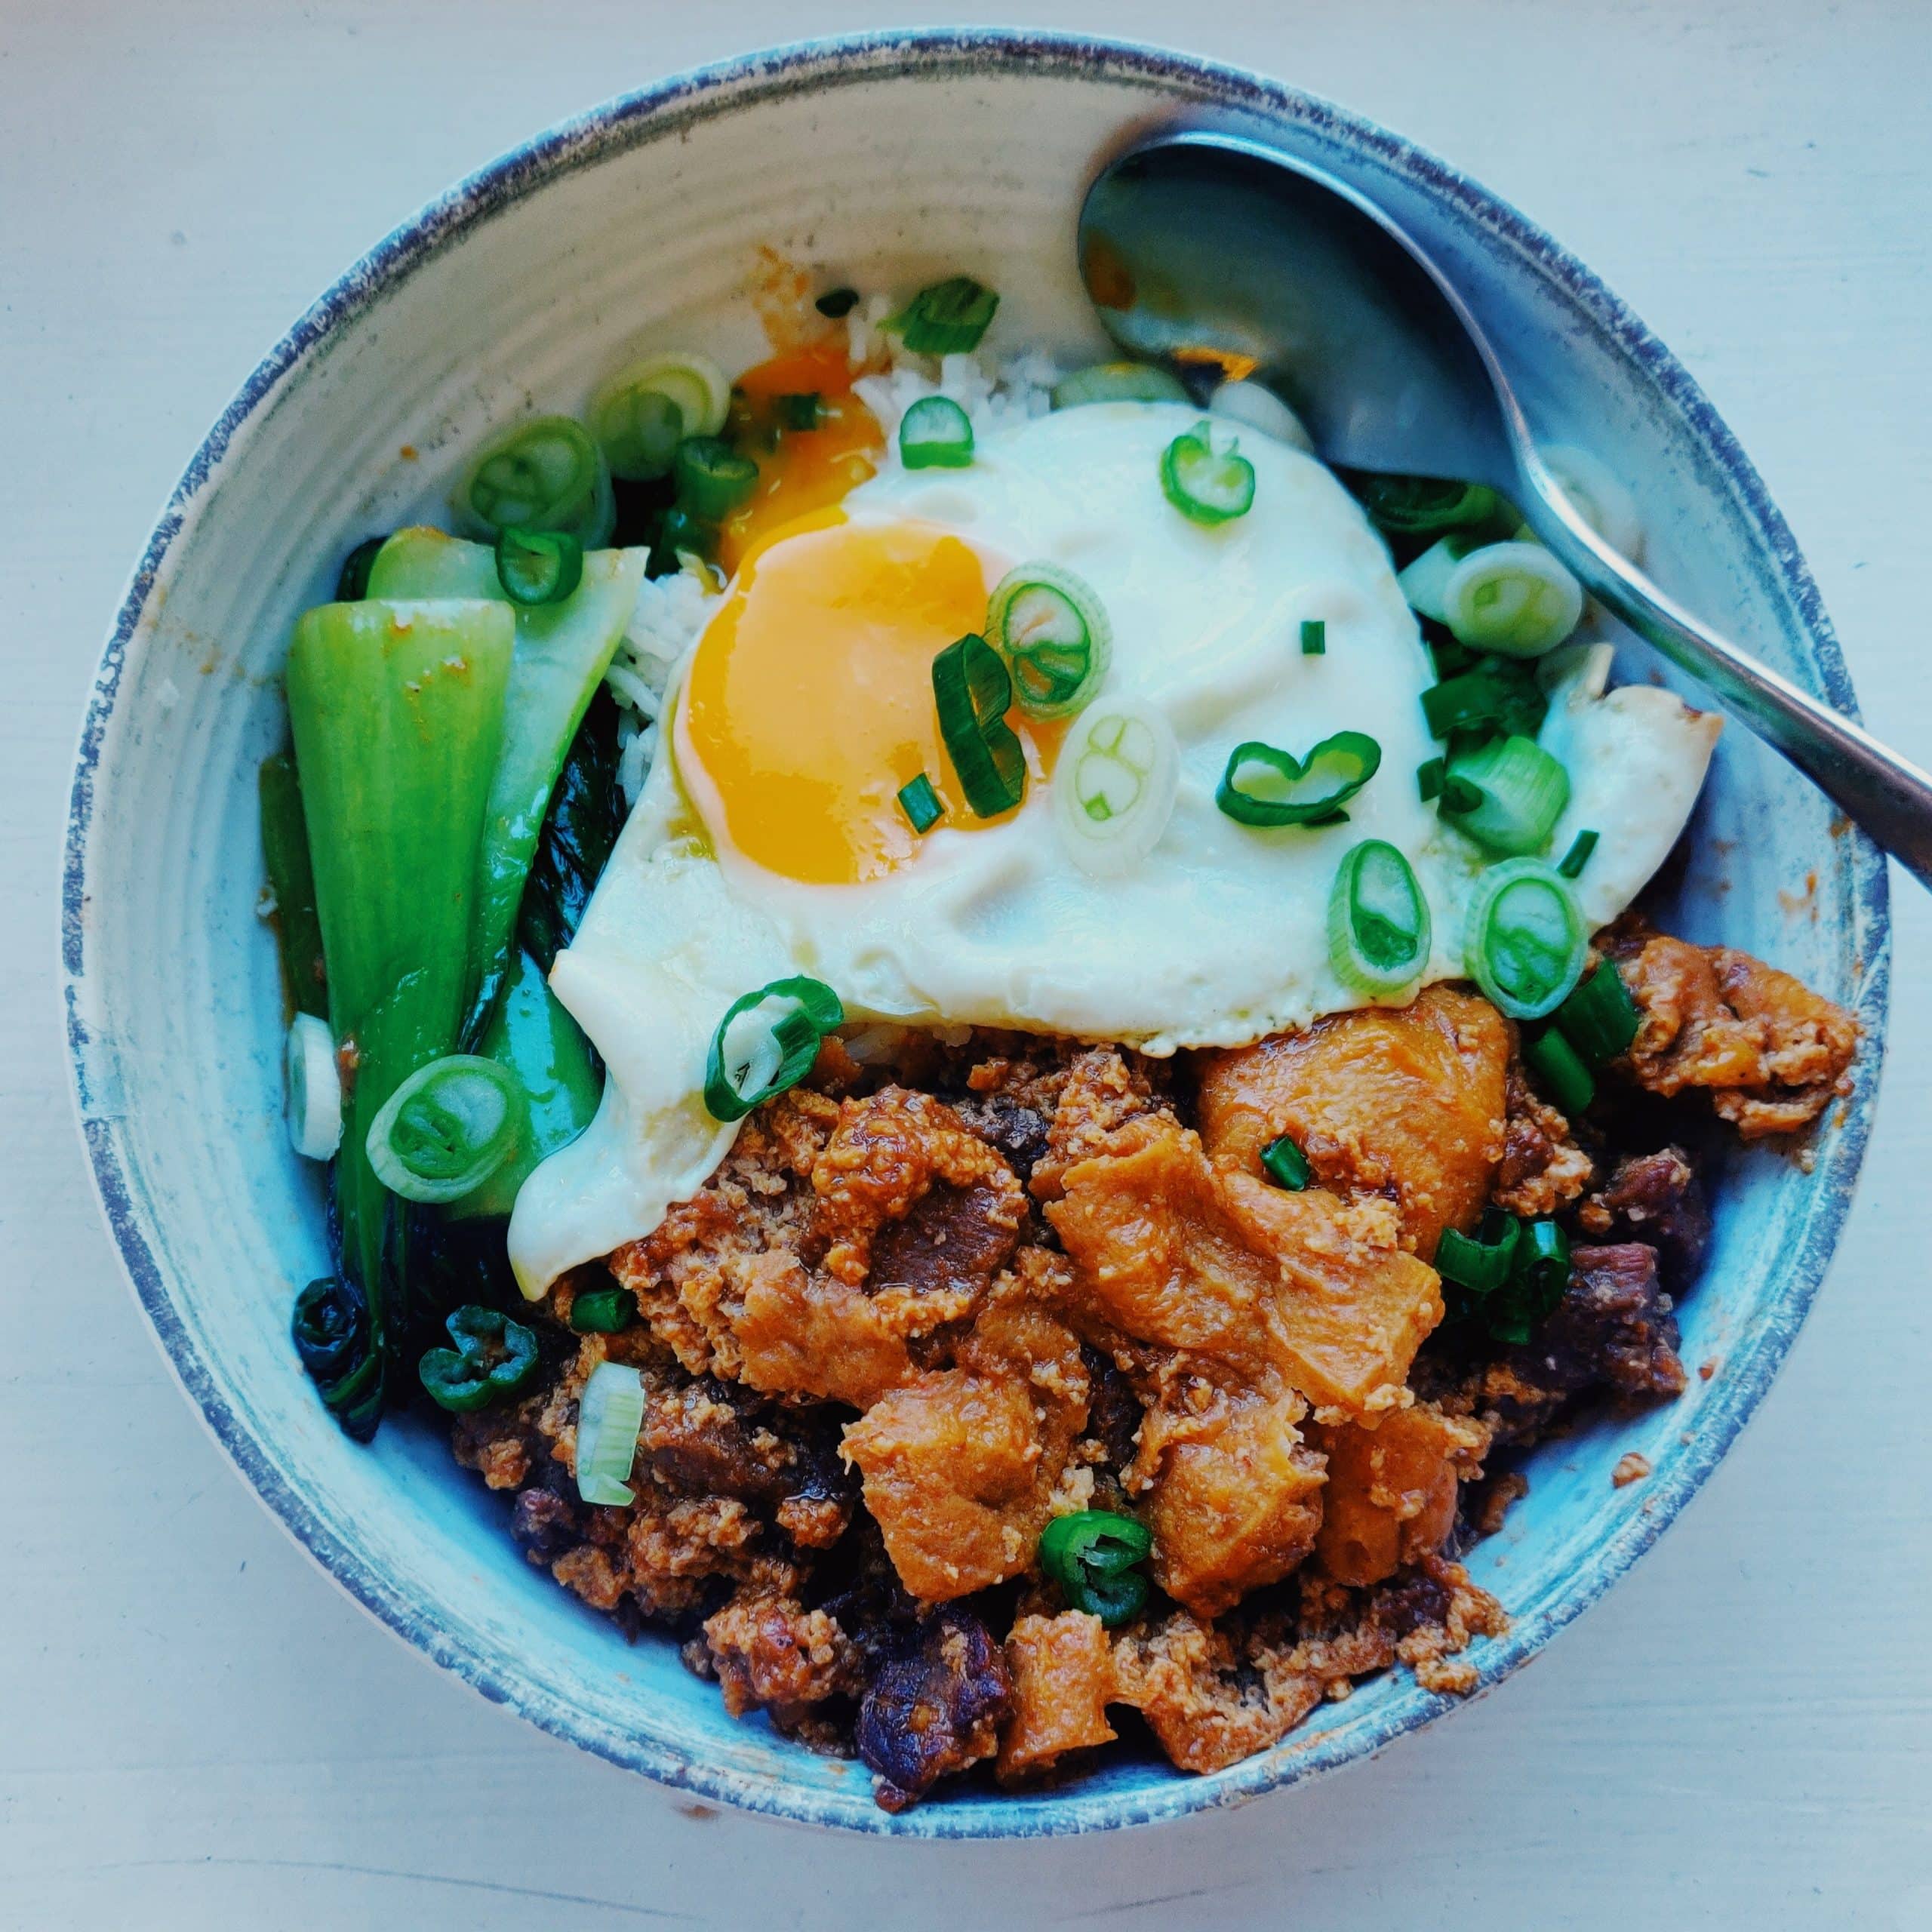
{"x":672,"y":611}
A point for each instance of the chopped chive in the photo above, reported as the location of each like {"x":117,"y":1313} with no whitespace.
{"x":1564,"y":1077}
{"x":948,"y":318}
{"x":920,"y":805}
{"x":837,"y":301}
{"x":1314,"y":637}
{"x":1428,"y":777}
{"x":602,"y":1310}
{"x":1600,"y":1019}
{"x":1578,"y":856}
{"x":800,"y":412}
{"x":1287,"y":1165}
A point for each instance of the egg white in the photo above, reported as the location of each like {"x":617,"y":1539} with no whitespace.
{"x":1219,"y":936}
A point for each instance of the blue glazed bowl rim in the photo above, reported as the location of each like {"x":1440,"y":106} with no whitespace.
{"x":621,"y":123}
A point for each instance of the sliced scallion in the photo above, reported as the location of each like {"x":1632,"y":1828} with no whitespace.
{"x":1422,"y":505}
{"x":1425,"y":579}
{"x":610,"y":1413}
{"x":1429,"y":779}
{"x":1480,"y":1263}
{"x":1379,"y":926}
{"x":935,"y":434}
{"x":1525,"y":943}
{"x":1265,"y":785}
{"x":948,"y":318}
{"x":1314,"y":637}
{"x":1117,"y":382}
{"x":315,"y":1089}
{"x":1505,"y":793}
{"x":971,"y":690}
{"x":713,"y":478}
{"x":803,"y":410}
{"x":1515,"y":599}
{"x":544,"y":474}
{"x":920,"y":803}
{"x":1285,"y":1164}
{"x":494,"y":1359}
{"x":447,"y":1128}
{"x":603,"y":1311}
{"x":1564,"y":1077}
{"x":1114,"y":785}
{"x":1206,"y":485}
{"x":766,"y":1043}
{"x":643,"y":412}
{"x":1092,"y":1556}
{"x":538,"y":567}
{"x":1574,"y":861}
{"x":1539,"y":1273}
{"x":1494,"y":695}
{"x":1600,"y":1019}
{"x":1051,"y":629}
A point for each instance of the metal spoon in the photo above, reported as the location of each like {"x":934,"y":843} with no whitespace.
{"x":1206,"y":250}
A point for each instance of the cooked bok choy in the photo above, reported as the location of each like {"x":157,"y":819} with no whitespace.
{"x":562,"y":651}
{"x":397,"y":711}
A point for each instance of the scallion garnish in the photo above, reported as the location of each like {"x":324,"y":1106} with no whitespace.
{"x":799,"y":411}
{"x":315,"y":1088}
{"x":1418,"y":506}
{"x":713,"y":478}
{"x":766,"y":1043}
{"x":538,"y":567}
{"x":1564,"y":1075}
{"x":1510,"y":1275}
{"x":1524,"y":945}
{"x":1265,"y":785}
{"x":1429,"y":779}
{"x":935,"y":434}
{"x":1425,"y":579}
{"x":1600,"y":1019}
{"x":836,"y":303}
{"x":545,"y":474}
{"x":609,"y":1414}
{"x":352,"y":582}
{"x":1114,"y":785}
{"x":1480,"y":1263}
{"x":971,"y":690}
{"x":1286,"y":1165}
{"x":1206,"y":485}
{"x":1513,"y":598}
{"x":1493,"y":696}
{"x":920,"y":803}
{"x":1092,"y":1556}
{"x":447,"y":1128}
{"x":494,"y":1359}
{"x":603,"y":1311}
{"x":1574,"y":861}
{"x":947,"y":318}
{"x":1505,"y":793}
{"x":1117,"y":382}
{"x":1051,"y":629}
{"x":1379,"y":926}
{"x":641,"y":413}
{"x":1314,"y":637}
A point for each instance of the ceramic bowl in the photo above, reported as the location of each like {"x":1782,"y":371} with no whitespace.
{"x":879,"y":162}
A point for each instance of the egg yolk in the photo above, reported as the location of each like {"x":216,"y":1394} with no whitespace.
{"x":809,"y":700}
{"x":800,"y":470}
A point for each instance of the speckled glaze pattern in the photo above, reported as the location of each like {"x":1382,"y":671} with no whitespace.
{"x":215,"y":1222}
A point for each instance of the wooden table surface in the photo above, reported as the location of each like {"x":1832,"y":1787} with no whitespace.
{"x":196,"y":1729}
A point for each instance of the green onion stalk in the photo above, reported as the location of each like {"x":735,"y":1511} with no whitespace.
{"x":397,"y":709}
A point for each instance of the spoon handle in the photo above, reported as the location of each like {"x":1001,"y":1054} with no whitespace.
{"x":1890,"y":799}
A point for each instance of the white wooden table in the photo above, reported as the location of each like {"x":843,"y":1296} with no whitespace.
{"x":196,"y":1729}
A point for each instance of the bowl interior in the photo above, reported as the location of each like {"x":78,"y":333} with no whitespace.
{"x":662,"y":221}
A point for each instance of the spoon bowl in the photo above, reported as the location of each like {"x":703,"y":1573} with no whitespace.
{"x":1218,"y":254}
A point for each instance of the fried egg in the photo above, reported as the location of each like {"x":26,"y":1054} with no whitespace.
{"x":769,"y":840}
